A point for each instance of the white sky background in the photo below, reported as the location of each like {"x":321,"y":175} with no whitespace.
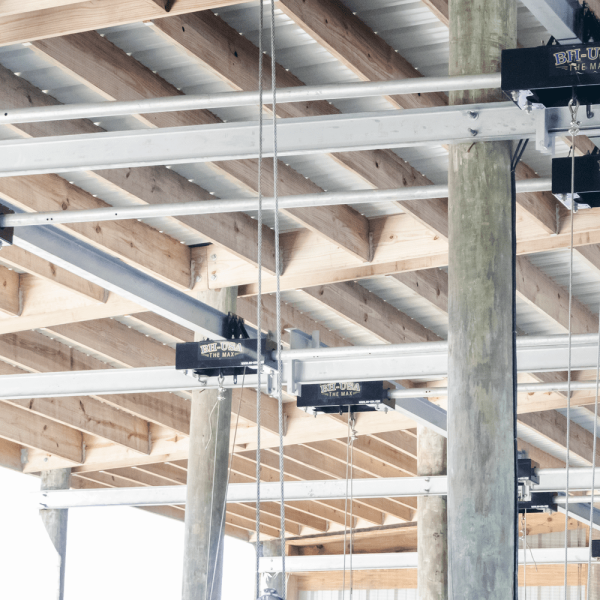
{"x":116,"y":553}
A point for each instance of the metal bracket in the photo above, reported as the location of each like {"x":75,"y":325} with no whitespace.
{"x":6,"y":233}
{"x":166,"y":5}
{"x":544,"y":142}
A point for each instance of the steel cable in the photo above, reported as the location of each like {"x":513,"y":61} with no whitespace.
{"x":278,"y":293}
{"x":259,"y":302}
{"x":573,"y":130}
{"x":589,"y":573}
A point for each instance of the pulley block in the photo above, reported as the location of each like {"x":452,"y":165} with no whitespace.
{"x":342,"y":396}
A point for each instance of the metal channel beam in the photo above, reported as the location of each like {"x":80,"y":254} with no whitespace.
{"x":559,"y":17}
{"x":230,"y":141}
{"x":551,"y":480}
{"x":331,"y":489}
{"x":403,"y":560}
{"x":117,"y":276}
{"x":381,"y":362}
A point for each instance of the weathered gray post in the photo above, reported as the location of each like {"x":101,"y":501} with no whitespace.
{"x":207,"y":480}
{"x":55,"y":522}
{"x":432,"y":530}
{"x":481,"y":498}
{"x":273,"y":581}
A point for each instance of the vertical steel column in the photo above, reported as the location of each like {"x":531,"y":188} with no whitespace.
{"x":432,"y":530}
{"x":55,"y":522}
{"x":481,"y":476}
{"x":208,"y":463}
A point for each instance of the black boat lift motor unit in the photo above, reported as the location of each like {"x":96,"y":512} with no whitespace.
{"x":342,"y":396}
{"x":212,"y":358}
{"x":586,"y":184}
{"x":546,"y":76}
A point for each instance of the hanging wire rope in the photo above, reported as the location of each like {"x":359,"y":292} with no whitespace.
{"x":259,"y":302}
{"x":222,"y":523}
{"x":525,"y":555}
{"x":573,"y":131}
{"x":515,"y":159}
{"x":589,"y":573}
{"x":278,"y":293}
{"x":352,"y":435}
{"x":352,"y":439}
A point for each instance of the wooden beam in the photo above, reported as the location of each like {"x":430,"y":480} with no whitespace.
{"x":46,"y":303}
{"x":87,"y":415}
{"x":117,"y":342}
{"x":33,"y":431}
{"x":93,"y":14}
{"x":15,"y":257}
{"x":429,"y":284}
{"x":553,"y":426}
{"x":376,"y":450}
{"x":323,"y":459}
{"x":10,"y":291}
{"x":355,"y":45}
{"x":244,"y":402}
{"x":233,"y":58}
{"x":290,"y":318}
{"x":244,"y":464}
{"x":169,"y":446}
{"x":106,"y":69}
{"x":17,"y":7}
{"x":549,"y":298}
{"x":146,"y":185}
{"x":367,"y":310}
{"x":309,"y":261}
{"x":35,"y":352}
{"x":322,"y":511}
{"x":134,"y":242}
{"x":11,"y":455}
{"x":541,"y":575}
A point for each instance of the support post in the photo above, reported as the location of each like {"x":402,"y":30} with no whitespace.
{"x":481,"y":472}
{"x":432,"y":530}
{"x":55,"y":522}
{"x":272,"y":580}
{"x":208,"y":462}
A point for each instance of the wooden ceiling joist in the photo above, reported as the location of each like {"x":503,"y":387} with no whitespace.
{"x":61,"y":17}
{"x":218,"y":47}
{"x":236,"y":231}
{"x":106,"y":69}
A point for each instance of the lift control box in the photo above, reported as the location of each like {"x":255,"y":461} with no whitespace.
{"x":587,"y":180}
{"x":545,"y":76}
{"x":341,"y":396}
{"x":225,"y":357}
{"x":6,"y":233}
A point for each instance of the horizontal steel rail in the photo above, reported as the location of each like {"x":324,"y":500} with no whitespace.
{"x":307,"y":135}
{"x":352,"y":363}
{"x":421,"y":85}
{"x":551,"y":480}
{"x":206,"y":207}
